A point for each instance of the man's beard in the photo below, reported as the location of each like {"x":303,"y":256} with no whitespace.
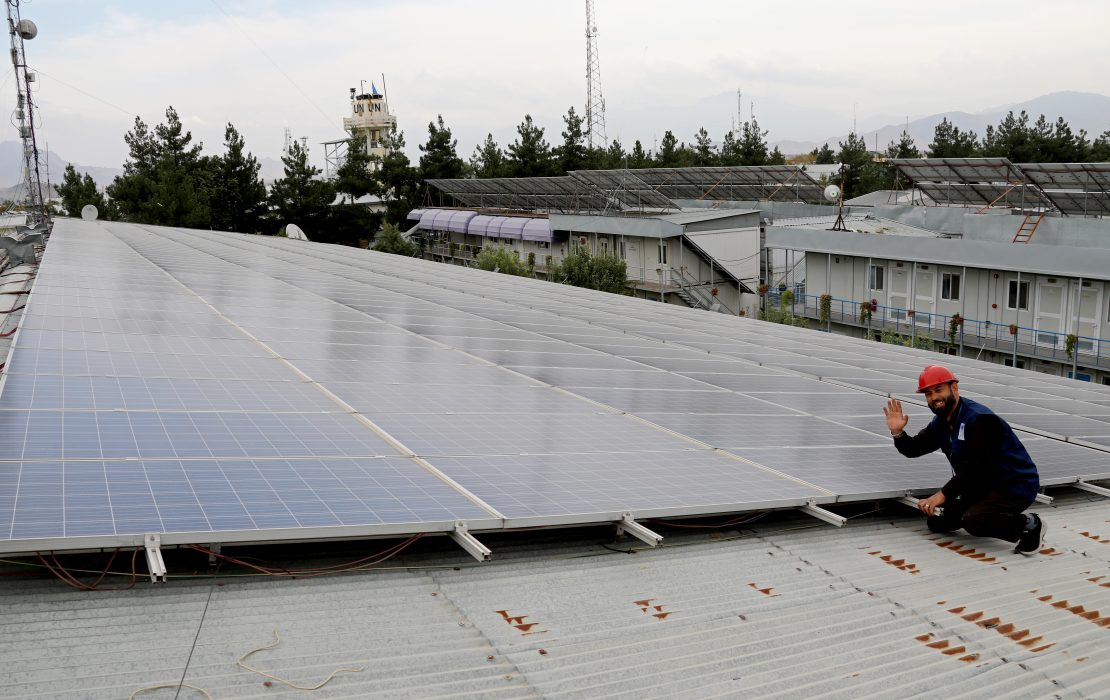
{"x":946,"y":408}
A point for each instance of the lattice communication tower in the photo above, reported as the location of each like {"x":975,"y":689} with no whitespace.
{"x":595,"y":103}
{"x":21,"y":29}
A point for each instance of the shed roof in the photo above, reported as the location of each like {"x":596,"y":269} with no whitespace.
{"x":781,"y":608}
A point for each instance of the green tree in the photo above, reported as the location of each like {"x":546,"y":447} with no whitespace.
{"x":237,"y":196}
{"x":165,"y":181}
{"x":439,"y":159}
{"x":638,"y":158}
{"x":301,"y":197}
{"x":705,"y":153}
{"x":861,"y":173}
{"x":950,"y":142}
{"x":1064,"y":146}
{"x":77,"y":191}
{"x":730,"y":149}
{"x":354,"y":177}
{"x":488,"y":159}
{"x":752,"y":148}
{"x":824,"y":155}
{"x":1100,"y":149}
{"x":904,"y":147}
{"x":1014,"y":138}
{"x":530,"y":155}
{"x":776,"y":157}
{"x":605,"y":271}
{"x":668,"y":156}
{"x":613,"y":157}
{"x":391,"y":241}
{"x":500,"y":260}
{"x":573,"y":153}
{"x":397,"y":182}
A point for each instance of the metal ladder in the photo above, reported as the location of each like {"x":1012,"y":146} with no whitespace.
{"x":1028,"y":226}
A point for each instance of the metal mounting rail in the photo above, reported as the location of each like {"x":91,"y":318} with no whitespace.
{"x":628,"y":524}
{"x":1091,"y":488}
{"x":1041,"y":498}
{"x":821,"y":514}
{"x":467,"y":541}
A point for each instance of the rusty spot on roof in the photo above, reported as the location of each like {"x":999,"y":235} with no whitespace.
{"x":924,"y":637}
{"x":969,"y":658}
{"x":939,"y":644}
{"x":1078,"y":610}
{"x":1050,"y":552}
{"x":1006,"y":629}
{"x":768,"y":591}
{"x":646,"y":606}
{"x":969,"y":552}
{"x":954,"y":650}
{"x":897,"y":563}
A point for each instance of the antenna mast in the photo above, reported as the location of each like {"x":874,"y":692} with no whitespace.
{"x":21,"y":29}
{"x":595,"y":103}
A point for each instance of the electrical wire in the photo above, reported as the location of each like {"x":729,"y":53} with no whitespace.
{"x":69,"y":579}
{"x":356,"y":565}
{"x":277,"y":640}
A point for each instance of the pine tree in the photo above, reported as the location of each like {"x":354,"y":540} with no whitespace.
{"x":1100,"y":149}
{"x":730,"y":149}
{"x":861,"y":173}
{"x":530,"y":155}
{"x":397,"y":182}
{"x":77,"y":191}
{"x":165,"y":182}
{"x":488,"y":159}
{"x":439,"y":159}
{"x":705,"y":153}
{"x":668,"y":156}
{"x":824,"y":155}
{"x":614,"y":156}
{"x":353,"y":178}
{"x":904,"y":147}
{"x":238,"y":196}
{"x":300,"y":197}
{"x":950,"y":142}
{"x":638,"y":158}
{"x":573,"y":154}
{"x":752,"y":148}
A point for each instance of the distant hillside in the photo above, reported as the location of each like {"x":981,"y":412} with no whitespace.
{"x":1081,"y":110}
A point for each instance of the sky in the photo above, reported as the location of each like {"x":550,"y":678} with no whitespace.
{"x":806,"y":70}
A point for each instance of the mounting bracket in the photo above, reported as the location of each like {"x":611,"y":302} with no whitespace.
{"x":627,"y":524}
{"x":1091,"y":488}
{"x":467,"y":541}
{"x":154,"y":563}
{"x":821,"y":514}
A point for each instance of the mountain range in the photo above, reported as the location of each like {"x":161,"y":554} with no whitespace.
{"x":1081,"y":110}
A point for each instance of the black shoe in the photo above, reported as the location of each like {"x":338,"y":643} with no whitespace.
{"x":1032,"y":540}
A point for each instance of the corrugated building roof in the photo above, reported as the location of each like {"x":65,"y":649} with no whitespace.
{"x":783,"y":608}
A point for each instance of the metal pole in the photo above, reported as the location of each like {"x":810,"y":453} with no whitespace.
{"x":912,"y":304}
{"x":1075,"y":351}
{"x":963,"y":307}
{"x":828,"y":290}
{"x":1017,"y":313}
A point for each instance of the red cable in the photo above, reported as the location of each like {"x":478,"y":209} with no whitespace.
{"x":5,"y":335}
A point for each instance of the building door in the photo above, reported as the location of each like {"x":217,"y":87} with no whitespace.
{"x":1049,"y":319}
{"x":924,"y":296}
{"x":1086,"y":304}
{"x":899,"y":296}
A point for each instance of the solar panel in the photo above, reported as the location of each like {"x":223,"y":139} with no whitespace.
{"x":561,"y":194}
{"x":771,"y":182}
{"x":1077,"y":189}
{"x":972,"y":181}
{"x":308,"y":373}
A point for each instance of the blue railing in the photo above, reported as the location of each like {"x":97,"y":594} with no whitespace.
{"x":1027,"y":342}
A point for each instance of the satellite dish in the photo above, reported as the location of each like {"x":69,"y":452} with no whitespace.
{"x":89,"y":212}
{"x":832,"y":193}
{"x":294,"y":233}
{"x":27,"y":29}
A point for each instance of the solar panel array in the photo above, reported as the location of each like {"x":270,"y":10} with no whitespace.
{"x":1075,"y":189}
{"x":217,"y":387}
{"x":635,"y":189}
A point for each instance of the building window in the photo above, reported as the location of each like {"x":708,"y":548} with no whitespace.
{"x":622,"y":250}
{"x":875,"y":280}
{"x":950,"y":286}
{"x":663,"y":254}
{"x":1018,"y":297}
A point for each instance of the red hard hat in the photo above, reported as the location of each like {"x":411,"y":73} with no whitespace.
{"x":933,"y":375}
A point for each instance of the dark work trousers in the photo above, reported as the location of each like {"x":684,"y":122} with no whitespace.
{"x":994,"y":514}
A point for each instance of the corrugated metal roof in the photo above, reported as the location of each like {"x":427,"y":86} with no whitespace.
{"x":786,"y":608}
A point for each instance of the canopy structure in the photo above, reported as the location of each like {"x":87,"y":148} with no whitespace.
{"x":1073,"y":189}
{"x":628,"y":190}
